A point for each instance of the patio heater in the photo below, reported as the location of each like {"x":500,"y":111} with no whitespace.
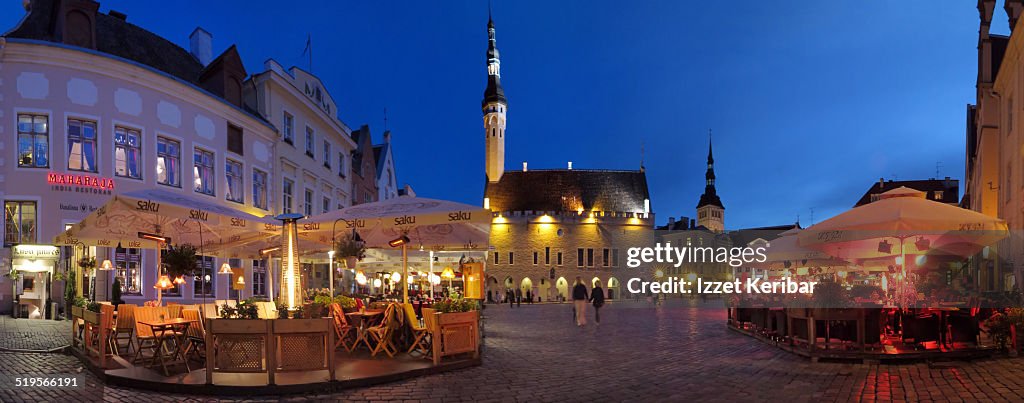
{"x":403,"y":241}
{"x":291,"y":278}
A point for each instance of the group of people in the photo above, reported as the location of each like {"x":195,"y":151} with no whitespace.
{"x":515,"y":297}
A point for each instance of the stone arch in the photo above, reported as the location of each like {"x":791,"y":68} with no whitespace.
{"x":562,"y":288}
{"x":613,"y":288}
{"x":491,"y":287}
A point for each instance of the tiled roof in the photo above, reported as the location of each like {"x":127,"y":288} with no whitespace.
{"x":569,"y":190}
{"x":950,"y":189}
{"x":117,"y":37}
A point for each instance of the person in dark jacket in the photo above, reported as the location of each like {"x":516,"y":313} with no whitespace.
{"x":510,"y":297}
{"x":597,"y":298}
{"x":519,"y":297}
{"x":579,"y":301}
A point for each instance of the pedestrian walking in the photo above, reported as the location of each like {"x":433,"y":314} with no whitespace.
{"x":597,"y":298}
{"x":529,"y":297}
{"x":579,"y":301}
{"x":519,"y":297}
{"x":510,"y":297}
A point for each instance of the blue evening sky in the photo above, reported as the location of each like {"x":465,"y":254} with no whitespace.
{"x":810,"y":102}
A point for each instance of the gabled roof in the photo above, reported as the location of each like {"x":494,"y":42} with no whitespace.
{"x":379,"y":151}
{"x":116,"y":37}
{"x":568,"y":190}
{"x":950,"y":189}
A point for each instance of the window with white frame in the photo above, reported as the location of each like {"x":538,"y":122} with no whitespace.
{"x":168,"y":162}
{"x":308,"y":203}
{"x":310,"y":147}
{"x":327,"y":154}
{"x":204,"y":282}
{"x":326,"y":206}
{"x":259,"y":278}
{"x":288,"y":128}
{"x":233,"y":289}
{"x":19,"y":222}
{"x":127,"y":153}
{"x":128,"y":263}
{"x":341,"y":163}
{"x":288,"y":195}
{"x":33,"y":141}
{"x":203,"y":172}
{"x":236,"y":185}
{"x":82,"y":145}
{"x":259,"y":189}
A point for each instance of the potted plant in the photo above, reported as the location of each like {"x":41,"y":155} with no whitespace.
{"x":347,"y":304}
{"x":999,"y":328}
{"x":282,"y":309}
{"x":352,"y":249}
{"x":180,"y":260}
{"x":228,"y":311}
{"x":87,"y":263}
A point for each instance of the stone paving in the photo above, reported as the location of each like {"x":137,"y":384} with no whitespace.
{"x":25,"y":334}
{"x":639,"y":353}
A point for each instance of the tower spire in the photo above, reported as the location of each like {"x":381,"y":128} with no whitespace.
{"x":494,"y":106}
{"x":710,"y":211}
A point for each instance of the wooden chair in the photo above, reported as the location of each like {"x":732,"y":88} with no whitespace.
{"x":421,"y":342}
{"x":124,"y":329}
{"x":379,"y":336}
{"x":343,"y":331}
{"x":195,"y":334}
{"x":174,"y":311}
{"x":107,"y":310}
{"x":144,"y":337}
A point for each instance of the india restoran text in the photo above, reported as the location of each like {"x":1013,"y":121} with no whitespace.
{"x":677,"y":285}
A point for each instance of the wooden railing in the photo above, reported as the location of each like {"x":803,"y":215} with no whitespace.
{"x":90,"y":332}
{"x":269,"y":346}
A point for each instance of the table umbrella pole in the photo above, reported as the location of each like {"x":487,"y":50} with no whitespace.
{"x":405,"y":275}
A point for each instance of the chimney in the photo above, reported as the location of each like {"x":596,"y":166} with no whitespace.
{"x":570,"y":165}
{"x":524,"y":166}
{"x":387,"y":136}
{"x":119,"y":15}
{"x":881,"y":183}
{"x":1013,"y":10}
{"x":201,"y":46}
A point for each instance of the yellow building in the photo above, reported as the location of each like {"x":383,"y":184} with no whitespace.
{"x":995,"y":147}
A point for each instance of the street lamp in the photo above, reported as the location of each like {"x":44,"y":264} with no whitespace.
{"x":330,"y":269}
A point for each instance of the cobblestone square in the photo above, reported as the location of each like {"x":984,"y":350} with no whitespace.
{"x":641,"y":352}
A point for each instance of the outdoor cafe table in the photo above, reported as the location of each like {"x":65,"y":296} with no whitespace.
{"x":364,"y":317}
{"x":169,"y":329}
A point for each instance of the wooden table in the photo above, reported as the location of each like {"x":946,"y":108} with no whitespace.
{"x":177,"y":329}
{"x":364,"y":317}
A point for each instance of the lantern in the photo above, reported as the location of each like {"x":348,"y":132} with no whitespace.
{"x":472,"y":276}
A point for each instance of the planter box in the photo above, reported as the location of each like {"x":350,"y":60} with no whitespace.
{"x":76,"y":311}
{"x":91,"y":317}
{"x":453,"y":333}
{"x":269,"y":346}
{"x":303,"y":344}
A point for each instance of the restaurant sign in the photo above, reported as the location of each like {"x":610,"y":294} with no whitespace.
{"x":79,"y":183}
{"x":32,"y":252}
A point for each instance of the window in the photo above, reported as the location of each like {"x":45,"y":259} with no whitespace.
{"x":558,"y":258}
{"x":81,"y":145}
{"x":203,"y":282}
{"x":341,"y":164}
{"x":168,"y":157}
{"x":203,"y":172}
{"x":327,"y":154}
{"x":236,"y":186}
{"x":496,"y":258}
{"x":19,"y":222}
{"x":259,"y":189}
{"x":535,"y":254}
{"x":308,"y":203}
{"x":288,"y":128}
{"x":326,"y":206}
{"x":590,"y":257}
{"x":309,"y":142}
{"x":615,"y":257}
{"x":938,"y":194}
{"x":259,"y":278}
{"x":288,"y":191}
{"x":33,"y":141}
{"x":127,"y":153}
{"x":232,"y":292}
{"x":511,"y":258}
{"x":547,"y":255}
{"x":236,"y":142}
{"x":604,"y":257}
{"x":579,"y":257}
{"x":128,"y":263}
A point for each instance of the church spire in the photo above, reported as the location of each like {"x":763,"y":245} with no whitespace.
{"x":710,"y":211}
{"x":494,"y":108}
